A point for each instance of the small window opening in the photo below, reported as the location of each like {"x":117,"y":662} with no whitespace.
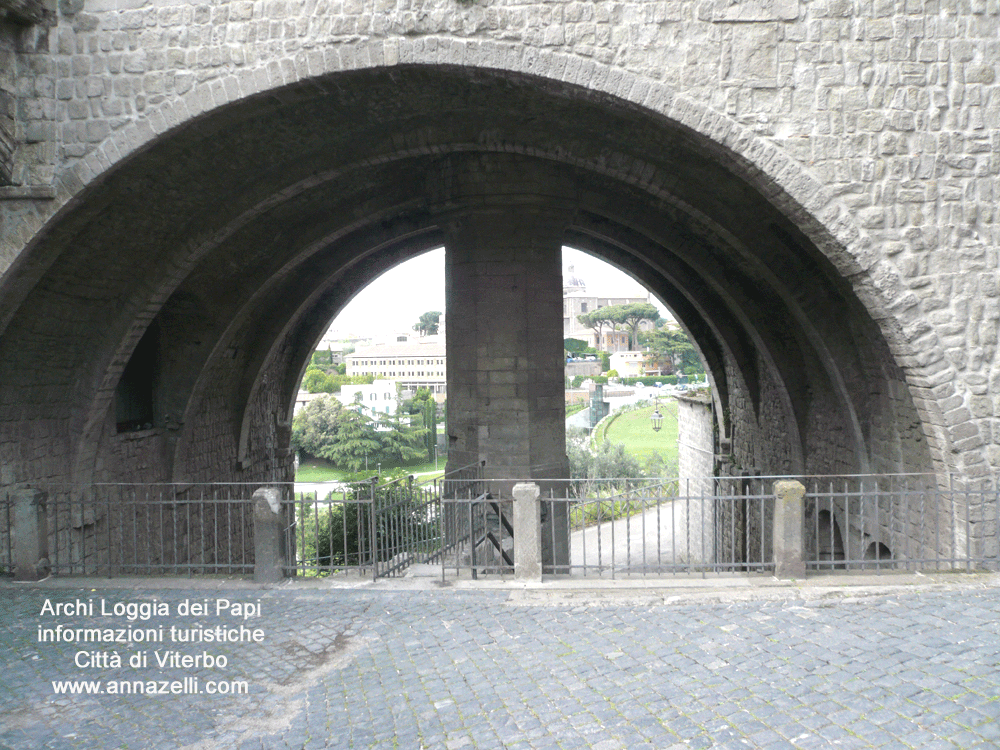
{"x":134,"y":394}
{"x":877,"y":553}
{"x":830,"y":544}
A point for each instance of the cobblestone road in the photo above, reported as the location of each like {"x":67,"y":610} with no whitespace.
{"x":914,"y":667}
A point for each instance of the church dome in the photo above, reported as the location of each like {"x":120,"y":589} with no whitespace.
{"x":572,"y":282}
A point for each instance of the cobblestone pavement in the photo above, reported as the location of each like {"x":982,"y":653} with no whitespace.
{"x":433,"y":667}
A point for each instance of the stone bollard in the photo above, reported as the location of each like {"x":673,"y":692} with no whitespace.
{"x":30,"y":536}
{"x":789,"y":530}
{"x":268,"y":536}
{"x":527,"y":532}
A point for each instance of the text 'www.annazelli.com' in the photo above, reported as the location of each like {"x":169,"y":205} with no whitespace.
{"x":187,"y":686}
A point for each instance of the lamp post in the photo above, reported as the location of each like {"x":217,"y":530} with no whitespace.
{"x":656,"y":419}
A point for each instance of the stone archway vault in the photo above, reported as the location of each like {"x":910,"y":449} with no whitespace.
{"x":219,"y":251}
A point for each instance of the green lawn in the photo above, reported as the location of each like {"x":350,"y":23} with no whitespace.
{"x":318,"y":470}
{"x":635,"y":430}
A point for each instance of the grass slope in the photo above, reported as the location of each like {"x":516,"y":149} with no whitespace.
{"x":319,"y":470}
{"x":634,"y":429}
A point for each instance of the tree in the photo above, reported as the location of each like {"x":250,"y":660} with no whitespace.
{"x":356,"y":441}
{"x":632,"y":315}
{"x":428,"y":323}
{"x":424,"y":405}
{"x":614,"y":316}
{"x":326,"y":429}
{"x":316,"y":381}
{"x":596,"y":320}
{"x":402,"y":442}
{"x":314,"y":428}
{"x":673,"y":345}
{"x":322,"y":357}
{"x":608,"y":461}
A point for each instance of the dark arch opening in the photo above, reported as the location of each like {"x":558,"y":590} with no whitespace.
{"x":829,"y":542}
{"x":135,"y":394}
{"x":877,"y":554}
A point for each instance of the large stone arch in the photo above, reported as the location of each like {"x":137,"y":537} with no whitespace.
{"x":390,"y":231}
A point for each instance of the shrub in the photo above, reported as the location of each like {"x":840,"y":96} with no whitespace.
{"x":343,"y":534}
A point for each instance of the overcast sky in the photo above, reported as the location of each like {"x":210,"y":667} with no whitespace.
{"x":397,"y":298}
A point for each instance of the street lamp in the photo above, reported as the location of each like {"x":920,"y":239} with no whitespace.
{"x":657,"y":420}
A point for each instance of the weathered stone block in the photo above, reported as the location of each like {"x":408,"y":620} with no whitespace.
{"x":269,"y":538}
{"x":30,"y":536}
{"x":789,"y":530}
{"x":527,"y":532}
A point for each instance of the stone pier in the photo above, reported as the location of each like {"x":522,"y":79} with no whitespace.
{"x":505,"y":343}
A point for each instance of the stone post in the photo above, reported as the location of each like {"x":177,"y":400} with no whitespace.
{"x":789,"y":530}
{"x":30,"y":536}
{"x":268,"y":536}
{"x":527,"y":532}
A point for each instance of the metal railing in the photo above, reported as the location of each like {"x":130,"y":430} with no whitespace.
{"x":463,"y":524}
{"x":141,"y":529}
{"x":902,"y":522}
{"x":368,"y":527}
{"x":654,"y":527}
{"x":622,"y":527}
{"x":378,"y":529}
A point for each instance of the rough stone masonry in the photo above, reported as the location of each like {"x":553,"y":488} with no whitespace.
{"x":190,"y":191}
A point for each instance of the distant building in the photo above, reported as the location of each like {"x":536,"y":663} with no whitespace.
{"x":336,"y":350}
{"x":576,"y":302}
{"x":629,"y":364}
{"x":303,"y":398}
{"x":372,"y":399}
{"x":418,"y":363}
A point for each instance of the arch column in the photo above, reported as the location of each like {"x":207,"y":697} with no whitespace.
{"x":505,"y":342}
{"x":506,"y":402}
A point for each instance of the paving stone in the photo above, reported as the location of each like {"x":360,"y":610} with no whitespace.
{"x":385,"y":670}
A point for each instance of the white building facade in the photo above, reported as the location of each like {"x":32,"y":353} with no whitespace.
{"x":375,"y":400}
{"x":629,"y":364}
{"x":419,"y":363}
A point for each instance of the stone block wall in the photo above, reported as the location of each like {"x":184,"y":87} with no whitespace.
{"x":695,"y":469}
{"x":759,"y":430}
{"x":8,"y":110}
{"x":27,"y":103}
{"x":695,"y":436}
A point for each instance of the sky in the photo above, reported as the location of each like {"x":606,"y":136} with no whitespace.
{"x":416,"y":286}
